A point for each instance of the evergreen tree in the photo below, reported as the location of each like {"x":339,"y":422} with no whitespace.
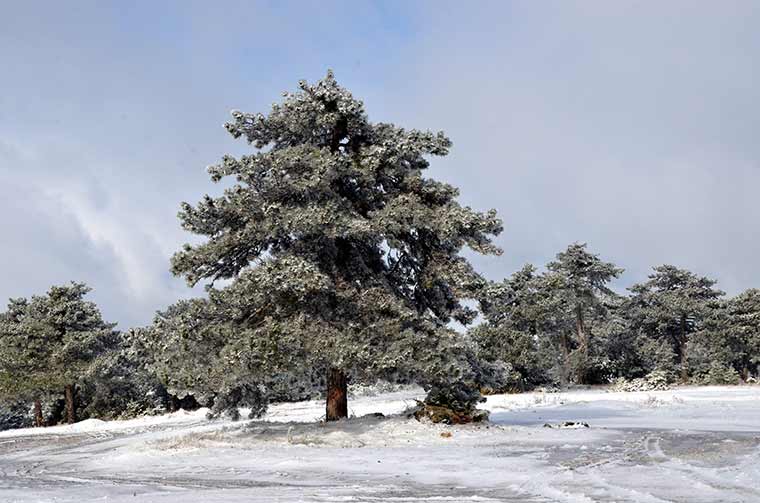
{"x":345,"y":258}
{"x":553,"y":326}
{"x":576,"y":284}
{"x":669,"y":309}
{"x":48,"y":342}
{"x":714,"y":350}
{"x":511,"y":326}
{"x":121,"y":382}
{"x":24,"y":353}
{"x":619,"y":347}
{"x":742,"y":324}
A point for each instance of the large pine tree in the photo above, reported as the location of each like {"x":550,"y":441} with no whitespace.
{"x":346,"y":258}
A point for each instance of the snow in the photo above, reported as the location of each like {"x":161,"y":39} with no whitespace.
{"x":95,"y":425}
{"x":709,"y":408}
{"x":686,"y":444}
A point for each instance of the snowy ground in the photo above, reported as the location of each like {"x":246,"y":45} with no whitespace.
{"x":687,"y":445}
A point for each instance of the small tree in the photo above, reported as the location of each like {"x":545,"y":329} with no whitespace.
{"x":49,"y":342}
{"x":742,"y":327}
{"x":24,"y":353}
{"x":512,"y":323}
{"x":121,"y":382}
{"x":345,"y":258}
{"x":670,"y":308}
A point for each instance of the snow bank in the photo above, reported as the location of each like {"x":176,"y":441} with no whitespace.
{"x":699,"y":445}
{"x":709,"y":408}
{"x":597,"y":406}
{"x":314,"y":410}
{"x":97,"y":425}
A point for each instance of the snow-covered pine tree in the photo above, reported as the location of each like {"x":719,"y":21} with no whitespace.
{"x":670,"y":308}
{"x":576,"y":282}
{"x":511,"y":326}
{"x":345,"y":257}
{"x":121,"y":382}
{"x":48,"y":342}
{"x":541,"y":324}
{"x":23,"y":358}
{"x":739,"y":323}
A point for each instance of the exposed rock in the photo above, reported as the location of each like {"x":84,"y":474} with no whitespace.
{"x":375,"y":415}
{"x":445,"y":415}
{"x":567,"y":424}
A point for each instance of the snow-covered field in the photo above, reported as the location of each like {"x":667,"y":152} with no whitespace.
{"x":686,"y":445}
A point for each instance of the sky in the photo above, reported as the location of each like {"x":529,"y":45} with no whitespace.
{"x":632,"y":126}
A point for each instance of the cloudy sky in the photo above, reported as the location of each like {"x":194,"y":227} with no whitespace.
{"x":633,"y":126}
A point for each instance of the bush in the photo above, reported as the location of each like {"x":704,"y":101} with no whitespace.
{"x":656,"y":355}
{"x":118,"y":387}
{"x":719,"y":374}
{"x":658,"y":380}
{"x":15,"y":415}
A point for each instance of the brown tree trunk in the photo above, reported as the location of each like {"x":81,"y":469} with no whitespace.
{"x":684,"y":346}
{"x":71,"y":414}
{"x":565,"y":358}
{"x":684,"y":363}
{"x":39,"y":420}
{"x":582,"y":346}
{"x":337,"y":395}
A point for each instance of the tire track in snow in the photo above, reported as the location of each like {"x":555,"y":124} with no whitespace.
{"x":701,"y":475}
{"x":596,"y":487}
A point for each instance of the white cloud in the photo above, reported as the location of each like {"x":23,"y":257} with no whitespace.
{"x":120,"y":232}
{"x":630,"y":125}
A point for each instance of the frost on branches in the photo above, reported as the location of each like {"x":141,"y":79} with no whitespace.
{"x":345,"y":262}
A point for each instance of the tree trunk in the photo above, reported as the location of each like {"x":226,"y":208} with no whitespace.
{"x":71,"y":414}
{"x":337,"y":395}
{"x":683,"y":346}
{"x":39,"y":420}
{"x":582,"y":346}
{"x":174,"y":403}
{"x":565,"y":358}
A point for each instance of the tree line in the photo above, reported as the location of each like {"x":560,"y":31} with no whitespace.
{"x":567,"y":326}
{"x":341,"y":263}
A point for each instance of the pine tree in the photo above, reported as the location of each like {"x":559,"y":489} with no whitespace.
{"x":542,"y":324}
{"x":670,"y":308}
{"x":121,"y":382}
{"x":742,"y":325}
{"x":24,"y":353}
{"x":512,"y":322}
{"x":345,"y":258}
{"x":48,"y":342}
{"x":578,"y":280}
{"x":618,"y":347}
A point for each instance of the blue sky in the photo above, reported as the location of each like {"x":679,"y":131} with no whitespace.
{"x":630,"y":125}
